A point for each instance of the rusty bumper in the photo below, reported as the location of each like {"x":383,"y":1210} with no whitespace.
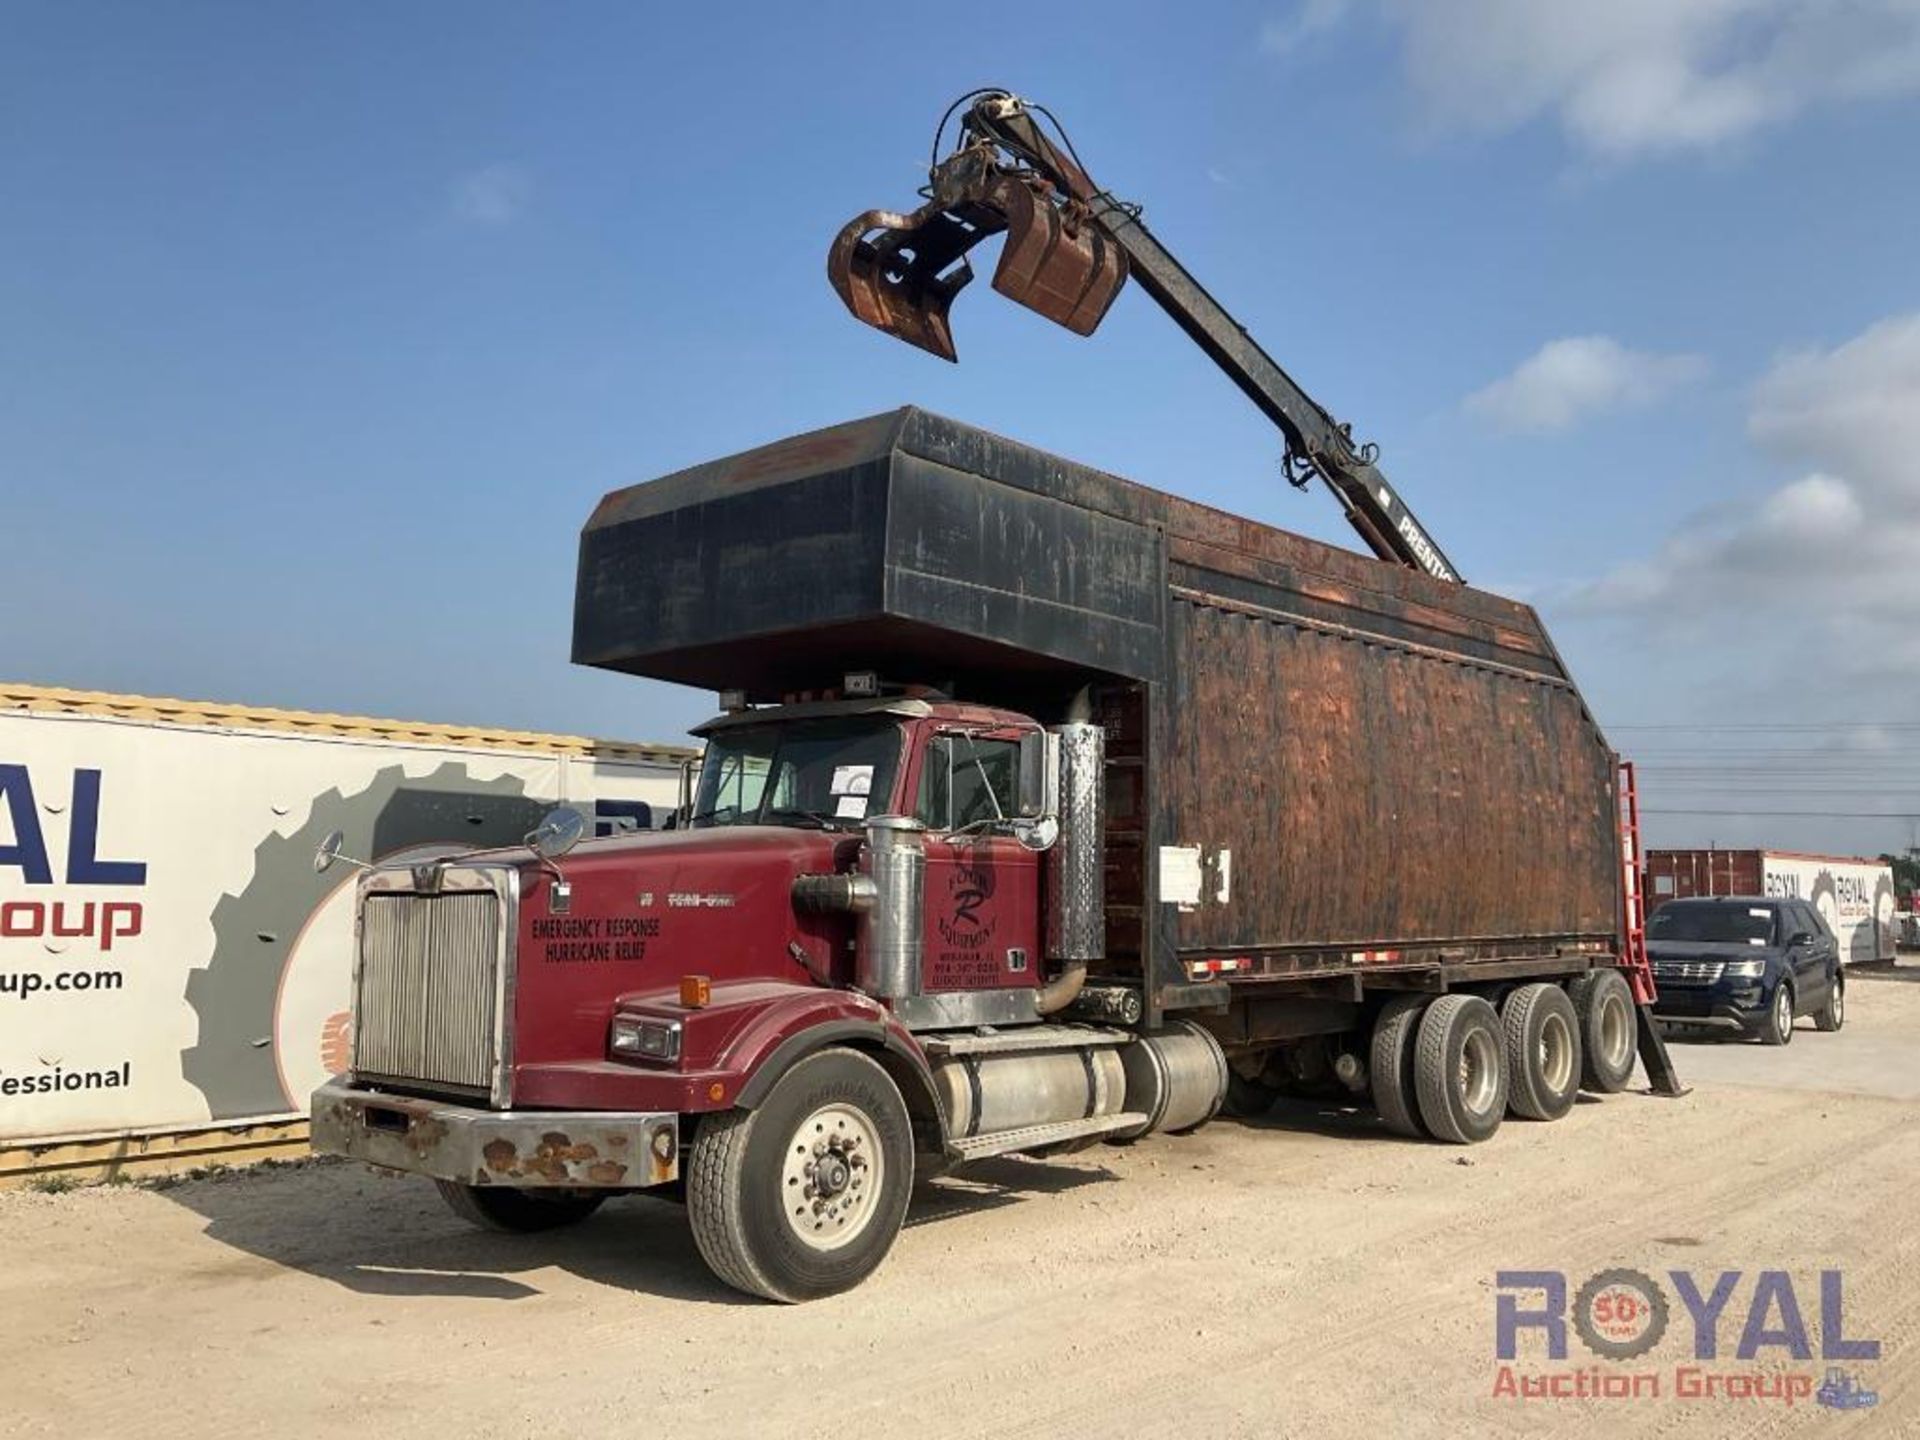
{"x":525,"y":1148}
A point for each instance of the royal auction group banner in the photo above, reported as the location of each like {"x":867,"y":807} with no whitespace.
{"x":168,"y":955}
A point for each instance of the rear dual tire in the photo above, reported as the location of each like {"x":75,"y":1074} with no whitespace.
{"x":1608,"y":1034}
{"x":1248,"y":1099}
{"x":1396,"y":1035}
{"x":1544,"y":1055}
{"x":1460,"y":1070}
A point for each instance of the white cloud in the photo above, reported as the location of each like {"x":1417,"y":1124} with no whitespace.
{"x":494,"y":196}
{"x":1570,"y":380}
{"x":1310,"y":18}
{"x":1840,"y":545}
{"x":1630,"y":78}
{"x":1856,"y":408}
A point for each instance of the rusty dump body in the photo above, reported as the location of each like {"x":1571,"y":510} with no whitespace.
{"x":1320,"y":766}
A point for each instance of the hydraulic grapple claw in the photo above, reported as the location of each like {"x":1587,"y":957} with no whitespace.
{"x":899,"y":273}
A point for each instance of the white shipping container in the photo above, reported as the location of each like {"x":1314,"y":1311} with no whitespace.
{"x":1855,"y":898}
{"x":168,"y":957}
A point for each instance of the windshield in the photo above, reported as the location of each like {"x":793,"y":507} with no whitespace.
{"x":823,"y":773}
{"x":1722,"y":924}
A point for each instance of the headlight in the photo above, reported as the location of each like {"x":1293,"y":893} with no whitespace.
{"x":1746,"y":969}
{"x":645,"y":1039}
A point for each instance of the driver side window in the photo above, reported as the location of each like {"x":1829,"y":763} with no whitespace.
{"x":966,"y":783}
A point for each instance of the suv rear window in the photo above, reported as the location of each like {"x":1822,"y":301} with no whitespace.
{"x":1713,"y":923}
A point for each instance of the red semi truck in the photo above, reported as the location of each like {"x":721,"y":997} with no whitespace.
{"x":1043,"y":810}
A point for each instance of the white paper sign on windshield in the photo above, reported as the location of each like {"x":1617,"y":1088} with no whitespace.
{"x":853,"y":780}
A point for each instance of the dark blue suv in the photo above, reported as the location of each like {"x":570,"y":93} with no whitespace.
{"x":1745,"y":964}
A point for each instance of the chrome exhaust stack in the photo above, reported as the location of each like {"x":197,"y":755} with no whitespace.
{"x":889,"y":941}
{"x":1076,"y":866}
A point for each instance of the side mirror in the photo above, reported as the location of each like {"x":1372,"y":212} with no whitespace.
{"x":1036,"y":835}
{"x":557,"y":833}
{"x":1800,"y":937}
{"x":1039,"y":764}
{"x":329,"y":850}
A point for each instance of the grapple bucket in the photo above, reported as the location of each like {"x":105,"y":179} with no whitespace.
{"x":899,"y":273}
{"x":1057,"y":262}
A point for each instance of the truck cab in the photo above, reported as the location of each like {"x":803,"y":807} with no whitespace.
{"x":973,"y":777}
{"x":856,"y":887}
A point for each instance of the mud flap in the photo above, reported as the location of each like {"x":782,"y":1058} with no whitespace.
{"x":1662,"y":1079}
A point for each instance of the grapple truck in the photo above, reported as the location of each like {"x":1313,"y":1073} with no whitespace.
{"x":1044,"y":810}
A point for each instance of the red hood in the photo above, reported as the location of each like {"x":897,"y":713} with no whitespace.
{"x":649,"y":908}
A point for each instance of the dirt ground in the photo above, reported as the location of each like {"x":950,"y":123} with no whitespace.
{"x":1305,"y":1276}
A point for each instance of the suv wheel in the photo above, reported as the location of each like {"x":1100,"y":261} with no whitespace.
{"x":1777,"y":1029}
{"x":1832,"y":1015}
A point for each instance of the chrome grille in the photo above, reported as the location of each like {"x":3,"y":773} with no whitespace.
{"x":1696,"y":972}
{"x":424,"y":1009}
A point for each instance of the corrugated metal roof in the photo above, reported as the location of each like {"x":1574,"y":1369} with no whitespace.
{"x":52,"y":699}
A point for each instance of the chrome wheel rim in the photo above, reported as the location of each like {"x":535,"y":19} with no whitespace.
{"x":1556,"y":1053}
{"x":1616,"y":1032}
{"x":1479,"y":1075}
{"x":1839,"y":1000}
{"x":1783,"y":1011}
{"x":831,"y":1177}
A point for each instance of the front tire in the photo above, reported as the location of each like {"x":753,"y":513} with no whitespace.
{"x":804,"y":1196}
{"x":1543,"y":1052}
{"x":1607,"y":1032}
{"x":1460,"y":1069}
{"x":1832,"y":1015}
{"x":1777,"y":1028}
{"x":517,"y":1212}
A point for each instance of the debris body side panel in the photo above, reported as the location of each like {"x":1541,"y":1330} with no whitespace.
{"x":1338,"y":756}
{"x":1349,"y":792}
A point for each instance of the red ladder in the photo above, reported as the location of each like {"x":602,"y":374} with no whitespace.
{"x":1632,"y":868}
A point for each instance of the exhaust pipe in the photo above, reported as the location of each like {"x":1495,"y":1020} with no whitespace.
{"x":889,"y":938}
{"x":1076,"y":866}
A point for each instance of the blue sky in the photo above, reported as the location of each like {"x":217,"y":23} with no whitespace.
{"x":322,"y":329}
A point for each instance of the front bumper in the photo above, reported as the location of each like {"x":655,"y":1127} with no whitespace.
{"x":564,"y":1149}
{"x":1735,"y":1004}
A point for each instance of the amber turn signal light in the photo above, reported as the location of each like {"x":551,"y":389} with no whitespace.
{"x":696,"y":991}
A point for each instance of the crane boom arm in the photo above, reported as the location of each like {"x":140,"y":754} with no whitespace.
{"x":1070,"y":246}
